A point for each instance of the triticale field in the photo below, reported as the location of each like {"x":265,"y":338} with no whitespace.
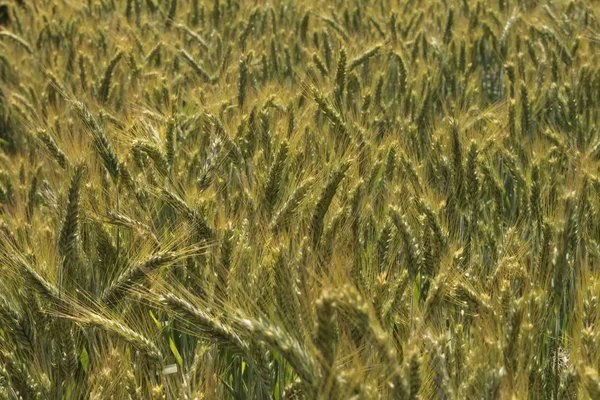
{"x":300,"y":199}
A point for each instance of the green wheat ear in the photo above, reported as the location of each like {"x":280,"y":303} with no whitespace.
{"x":286,"y":283}
{"x":69,"y":239}
{"x":105,"y":86}
{"x":101,"y":142}
{"x":320,"y":65}
{"x":202,"y":74}
{"x":299,"y":358}
{"x":171,"y":14}
{"x":284,"y":215}
{"x":243,"y":81}
{"x":224,"y":266}
{"x":340,"y":75}
{"x":414,"y":377}
{"x":324,"y":201}
{"x":154,"y":152}
{"x":525,"y":111}
{"x":274,"y":179}
{"x":170,"y":142}
{"x":17,"y":326}
{"x":364,"y":57}
{"x":136,"y":273}
{"x":58,"y":155}
{"x":18,"y":40}
{"x":325,"y":338}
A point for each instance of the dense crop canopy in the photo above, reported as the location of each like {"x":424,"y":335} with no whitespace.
{"x":297,"y":199}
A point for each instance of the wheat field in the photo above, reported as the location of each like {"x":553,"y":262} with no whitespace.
{"x":294,"y":199}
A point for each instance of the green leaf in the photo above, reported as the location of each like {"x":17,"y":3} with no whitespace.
{"x":156,"y":321}
{"x":175,"y":352}
{"x":84,"y":359}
